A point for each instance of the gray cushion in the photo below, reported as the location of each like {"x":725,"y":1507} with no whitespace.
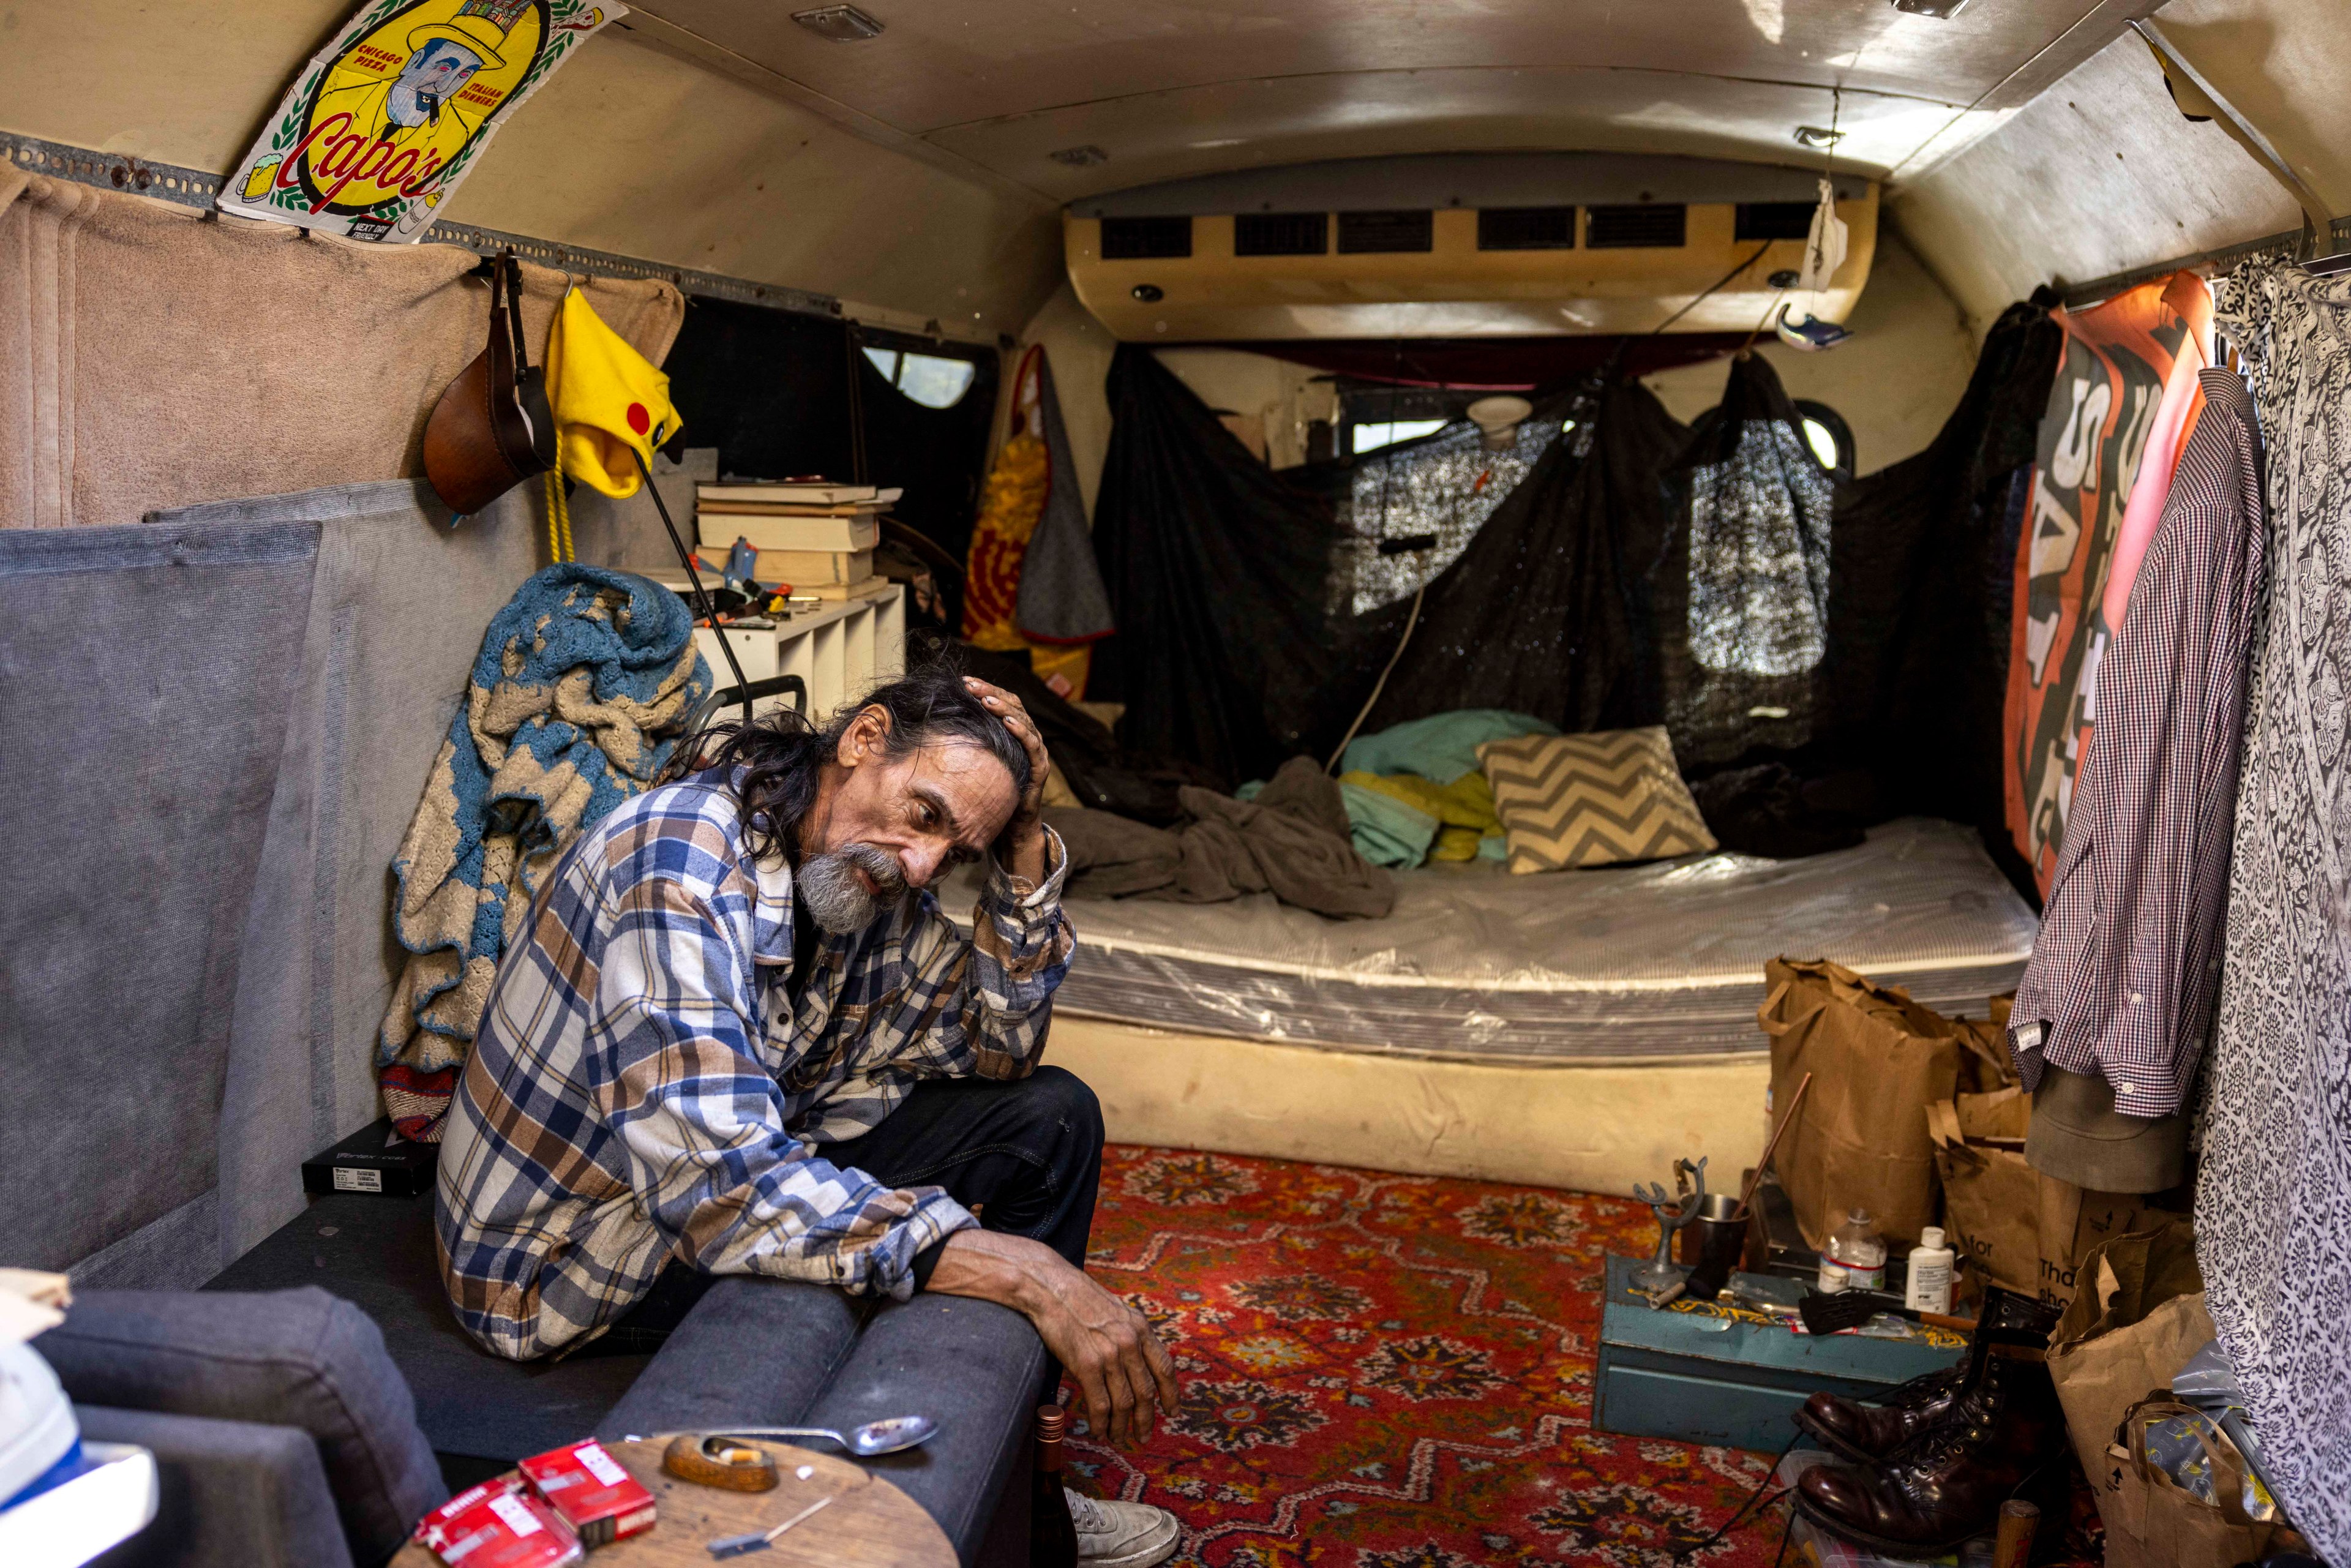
{"x":976,"y":1368}
{"x":292,"y":1358}
{"x":707,"y":1375}
{"x":378,"y":1254}
{"x":230,"y":1494}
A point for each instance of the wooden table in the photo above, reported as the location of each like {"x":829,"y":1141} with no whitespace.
{"x":869,"y":1524}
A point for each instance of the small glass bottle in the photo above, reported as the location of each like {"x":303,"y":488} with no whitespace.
{"x":1052,"y":1534}
{"x":1860,"y":1251}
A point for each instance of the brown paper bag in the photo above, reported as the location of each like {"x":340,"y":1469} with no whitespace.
{"x":2136,"y":1324}
{"x":1877,"y":1060}
{"x":2153,"y":1523}
{"x":2018,"y":1229}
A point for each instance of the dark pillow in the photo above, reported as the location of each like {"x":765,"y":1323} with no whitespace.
{"x":289,"y":1358}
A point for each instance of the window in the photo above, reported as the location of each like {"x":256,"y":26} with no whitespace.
{"x":1372,"y":437}
{"x":931,"y":380}
{"x":1829,"y":436}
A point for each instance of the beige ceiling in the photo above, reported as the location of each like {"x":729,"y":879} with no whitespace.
{"x":1173,"y":89}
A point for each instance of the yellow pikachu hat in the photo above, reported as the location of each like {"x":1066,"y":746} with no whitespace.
{"x":608,"y":401}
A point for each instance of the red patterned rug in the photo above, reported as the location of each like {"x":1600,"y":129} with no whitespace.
{"x":1391,"y":1372}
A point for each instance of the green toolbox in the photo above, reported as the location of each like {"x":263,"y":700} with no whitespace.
{"x":1701,"y":1373}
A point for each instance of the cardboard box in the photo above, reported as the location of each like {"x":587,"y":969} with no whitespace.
{"x":373,"y":1160}
{"x":497,"y":1525}
{"x":595,"y":1496}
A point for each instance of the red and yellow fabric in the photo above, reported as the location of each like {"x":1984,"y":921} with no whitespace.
{"x":1014,"y":499}
{"x":2122,"y":405}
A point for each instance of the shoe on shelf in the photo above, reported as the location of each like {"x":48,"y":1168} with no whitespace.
{"x":1121,"y":1534}
{"x":2004,"y":1437}
{"x":1868,"y":1433}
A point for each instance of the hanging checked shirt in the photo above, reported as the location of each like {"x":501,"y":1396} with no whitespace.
{"x":2127,"y":966}
{"x":646,"y":1087}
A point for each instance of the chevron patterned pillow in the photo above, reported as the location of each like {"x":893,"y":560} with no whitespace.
{"x":1599,"y":798}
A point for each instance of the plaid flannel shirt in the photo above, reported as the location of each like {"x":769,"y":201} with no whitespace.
{"x":643,"y":1088}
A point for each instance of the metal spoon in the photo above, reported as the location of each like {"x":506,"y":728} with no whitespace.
{"x":873,"y":1438}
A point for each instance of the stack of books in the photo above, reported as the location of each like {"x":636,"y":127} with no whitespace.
{"x":815,"y":537}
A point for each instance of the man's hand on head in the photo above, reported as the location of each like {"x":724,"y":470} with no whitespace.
{"x":1022,"y":846}
{"x":1122,"y":1370}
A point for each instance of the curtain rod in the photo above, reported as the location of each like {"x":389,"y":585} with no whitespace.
{"x":2210,"y":263}
{"x":197,"y":188}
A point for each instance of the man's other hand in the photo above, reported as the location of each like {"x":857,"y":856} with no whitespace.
{"x":1122,"y":1369}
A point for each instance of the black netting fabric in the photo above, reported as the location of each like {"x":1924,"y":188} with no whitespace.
{"x":1634,"y":572}
{"x":1407,"y":513}
{"x":1228,"y":654}
{"x":1921,"y":582}
{"x":1742,"y":594}
{"x":1546,"y":611}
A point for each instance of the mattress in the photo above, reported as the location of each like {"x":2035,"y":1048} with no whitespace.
{"x":1613,"y":964}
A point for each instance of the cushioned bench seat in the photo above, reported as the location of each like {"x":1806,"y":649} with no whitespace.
{"x":376,"y":1254}
{"x":752,"y":1353}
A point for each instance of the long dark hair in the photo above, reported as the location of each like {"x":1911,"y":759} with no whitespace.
{"x":781,"y":754}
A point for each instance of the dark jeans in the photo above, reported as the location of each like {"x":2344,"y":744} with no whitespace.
{"x":1025,"y":1156}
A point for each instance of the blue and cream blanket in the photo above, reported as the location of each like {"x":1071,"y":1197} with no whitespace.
{"x":584,"y":685}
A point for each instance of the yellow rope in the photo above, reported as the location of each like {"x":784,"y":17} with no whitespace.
{"x":558,"y":519}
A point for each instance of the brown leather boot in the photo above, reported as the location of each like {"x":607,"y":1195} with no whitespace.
{"x":1868,"y":1433}
{"x":2004,"y":1436}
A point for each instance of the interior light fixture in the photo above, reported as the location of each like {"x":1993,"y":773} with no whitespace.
{"x":1820,"y":138}
{"x":1082,"y":157}
{"x":1941,"y":9}
{"x":1497,"y":420}
{"x":840,"y":24}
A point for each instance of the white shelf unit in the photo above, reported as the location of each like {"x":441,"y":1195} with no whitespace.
{"x":841,"y":650}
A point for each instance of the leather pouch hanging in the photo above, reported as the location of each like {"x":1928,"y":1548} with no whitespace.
{"x":493,"y":428}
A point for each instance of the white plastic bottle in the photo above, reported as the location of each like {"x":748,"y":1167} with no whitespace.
{"x":1928,"y":1288}
{"x":1860,"y":1251}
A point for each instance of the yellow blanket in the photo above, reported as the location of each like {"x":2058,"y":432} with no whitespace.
{"x":1466,"y":807}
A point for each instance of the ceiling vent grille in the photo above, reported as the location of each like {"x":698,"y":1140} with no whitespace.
{"x":1281,"y":233}
{"x":1659,"y":225}
{"x":1774,"y":220}
{"x":1526,"y":228}
{"x":1377,"y":234}
{"x":1146,"y":239}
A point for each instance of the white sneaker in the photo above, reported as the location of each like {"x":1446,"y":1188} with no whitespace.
{"x":1121,"y":1534}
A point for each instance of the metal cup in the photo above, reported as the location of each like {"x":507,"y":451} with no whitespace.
{"x":1713,"y":1244}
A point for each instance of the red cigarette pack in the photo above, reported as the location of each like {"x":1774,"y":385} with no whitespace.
{"x":493,"y":1525}
{"x":595,"y":1496}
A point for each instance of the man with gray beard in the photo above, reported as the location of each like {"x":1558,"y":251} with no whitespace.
{"x":738,"y":1036}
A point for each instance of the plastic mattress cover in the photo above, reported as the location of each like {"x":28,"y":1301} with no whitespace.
{"x":1658,"y":960}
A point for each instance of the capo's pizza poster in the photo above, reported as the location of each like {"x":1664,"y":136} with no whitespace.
{"x":386,"y":120}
